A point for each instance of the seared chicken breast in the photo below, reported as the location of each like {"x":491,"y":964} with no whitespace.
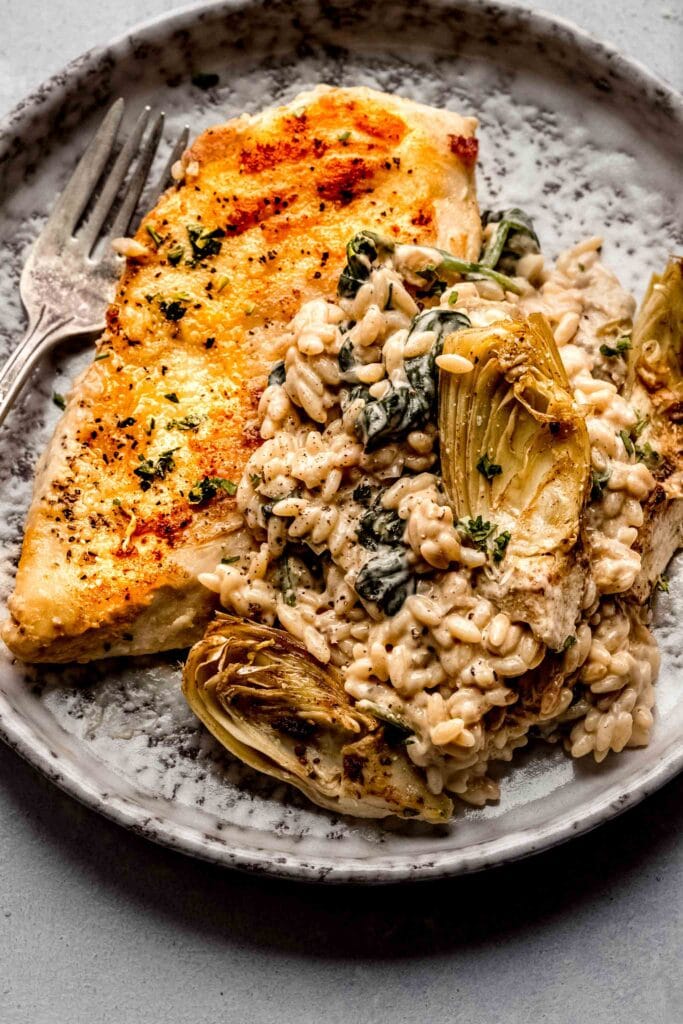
{"x":133,"y":497}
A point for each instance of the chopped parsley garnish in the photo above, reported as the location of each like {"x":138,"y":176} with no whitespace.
{"x":172,"y":397}
{"x":185,"y":423}
{"x":174,"y":310}
{"x":344,"y":137}
{"x":287,"y":582}
{"x":204,"y":243}
{"x":662,"y":583}
{"x":104,"y":355}
{"x":154,"y":235}
{"x":500,"y":546}
{"x":231,"y":560}
{"x":208,"y":487}
{"x":205,"y":80}
{"x":619,"y":349}
{"x":150,"y":470}
{"x":647,"y":454}
{"x":480,"y":533}
{"x":477,"y":530}
{"x":59,"y":400}
{"x":452,"y":298}
{"x":598,"y":483}
{"x":639,"y":426}
{"x":255,"y":479}
{"x":628,"y":443}
{"x":568,"y":642}
{"x":175,"y":254}
{"x":644,"y":453}
{"x":487,"y":468}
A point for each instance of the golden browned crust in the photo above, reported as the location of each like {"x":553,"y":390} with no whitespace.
{"x":109,"y":567}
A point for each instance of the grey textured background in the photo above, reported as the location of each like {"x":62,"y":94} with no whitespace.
{"x":97,"y":925}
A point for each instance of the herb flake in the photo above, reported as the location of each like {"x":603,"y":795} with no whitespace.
{"x":150,"y":470}
{"x":174,"y":310}
{"x":598,"y":483}
{"x":208,"y":487}
{"x":204,"y":243}
{"x":154,"y":235}
{"x":500,"y":546}
{"x":619,"y":349}
{"x":478,"y":530}
{"x":627,"y":442}
{"x":487,"y":468}
{"x":185,"y":423}
{"x":175,"y":254}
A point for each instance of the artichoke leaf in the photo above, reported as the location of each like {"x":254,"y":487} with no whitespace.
{"x":654,"y":387}
{"x":277,"y":709}
{"x":515,"y":408}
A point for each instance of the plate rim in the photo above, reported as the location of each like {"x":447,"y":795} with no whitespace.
{"x":20,"y":736}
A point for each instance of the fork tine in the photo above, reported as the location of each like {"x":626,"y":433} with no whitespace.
{"x":165,"y":178}
{"x":88,"y":236}
{"x":77,"y":192}
{"x":137,"y":181}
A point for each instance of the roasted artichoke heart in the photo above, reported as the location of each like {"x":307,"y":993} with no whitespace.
{"x":272,"y":705}
{"x":655,"y":389}
{"x":515,"y":452}
{"x":656,"y":372}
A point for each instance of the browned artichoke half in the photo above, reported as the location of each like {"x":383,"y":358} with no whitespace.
{"x":655,"y":389}
{"x":515,"y":410}
{"x":273,"y":706}
{"x":655,"y":381}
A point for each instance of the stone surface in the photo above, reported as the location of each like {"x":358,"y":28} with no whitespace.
{"x":98,"y":925}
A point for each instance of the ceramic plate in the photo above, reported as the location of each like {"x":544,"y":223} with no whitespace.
{"x":584,"y":139}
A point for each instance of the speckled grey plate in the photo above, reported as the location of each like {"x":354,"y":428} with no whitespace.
{"x":584,"y":139}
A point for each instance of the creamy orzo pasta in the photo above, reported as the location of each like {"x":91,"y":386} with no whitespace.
{"x":355,"y":547}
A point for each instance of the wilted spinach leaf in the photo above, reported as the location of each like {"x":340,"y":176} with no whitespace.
{"x":409,"y":404}
{"x":513,"y":237}
{"x":364,"y":249}
{"x":386,"y":579}
{"x":380,"y":526}
{"x":277,"y":375}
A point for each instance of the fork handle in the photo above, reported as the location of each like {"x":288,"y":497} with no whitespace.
{"x":44,"y":332}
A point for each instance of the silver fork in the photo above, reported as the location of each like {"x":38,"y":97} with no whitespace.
{"x":65,"y":286}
